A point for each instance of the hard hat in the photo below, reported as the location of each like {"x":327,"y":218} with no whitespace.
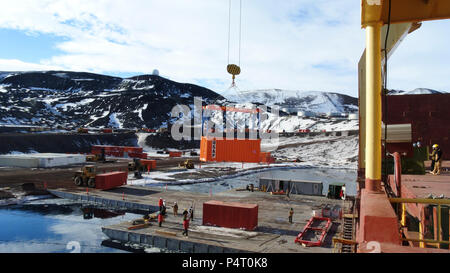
{"x":435,"y":146}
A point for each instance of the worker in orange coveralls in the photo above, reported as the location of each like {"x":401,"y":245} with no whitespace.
{"x":185,"y":222}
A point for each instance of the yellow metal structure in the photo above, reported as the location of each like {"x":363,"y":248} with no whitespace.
{"x":422,"y":240}
{"x":403,"y":11}
{"x":373,"y":105}
{"x":403,"y":221}
{"x":397,"y":33}
{"x":375,"y":14}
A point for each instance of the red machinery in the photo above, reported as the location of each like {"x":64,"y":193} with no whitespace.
{"x":314,"y":225}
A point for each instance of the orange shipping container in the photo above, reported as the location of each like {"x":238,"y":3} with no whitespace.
{"x":230,"y":150}
{"x":265,"y":157}
{"x":148,"y":163}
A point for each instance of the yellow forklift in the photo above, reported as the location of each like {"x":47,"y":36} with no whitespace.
{"x":97,"y":157}
{"x":186,"y":164}
{"x":86,"y":176}
{"x":136,"y":167}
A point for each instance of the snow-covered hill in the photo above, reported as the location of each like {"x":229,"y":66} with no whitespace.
{"x":73,"y":99}
{"x":312,"y":101}
{"x":282,"y":123}
{"x":417,"y":91}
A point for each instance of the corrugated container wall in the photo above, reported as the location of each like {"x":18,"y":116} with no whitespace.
{"x":230,"y":215}
{"x":429,"y":116}
{"x":230,"y":150}
{"x":175,"y":154}
{"x":111,"y":180}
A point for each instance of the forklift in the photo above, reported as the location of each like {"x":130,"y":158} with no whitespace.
{"x":136,"y":167}
{"x":97,"y":157}
{"x":186,"y":164}
{"x":86,"y":176}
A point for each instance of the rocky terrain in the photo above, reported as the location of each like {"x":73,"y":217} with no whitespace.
{"x":73,"y":99}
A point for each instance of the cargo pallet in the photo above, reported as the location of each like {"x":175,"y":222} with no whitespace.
{"x":314,"y":226}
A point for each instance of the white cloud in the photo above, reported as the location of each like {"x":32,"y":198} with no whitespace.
{"x":18,"y":65}
{"x":303,"y":44}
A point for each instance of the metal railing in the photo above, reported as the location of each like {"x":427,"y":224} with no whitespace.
{"x":421,"y":240}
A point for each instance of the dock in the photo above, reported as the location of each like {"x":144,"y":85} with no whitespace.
{"x":273,"y":234}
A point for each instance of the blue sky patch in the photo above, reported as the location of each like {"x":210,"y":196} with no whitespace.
{"x":28,"y":47}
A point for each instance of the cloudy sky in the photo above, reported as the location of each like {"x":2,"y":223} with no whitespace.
{"x":289,"y":44}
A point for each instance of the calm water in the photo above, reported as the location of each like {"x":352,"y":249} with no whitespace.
{"x":326,"y":176}
{"x":56,"y":225}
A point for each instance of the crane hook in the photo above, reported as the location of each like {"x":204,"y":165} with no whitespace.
{"x":233,"y":70}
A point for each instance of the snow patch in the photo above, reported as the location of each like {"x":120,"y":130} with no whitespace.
{"x":114,"y":121}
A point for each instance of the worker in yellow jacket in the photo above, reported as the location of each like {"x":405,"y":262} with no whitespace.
{"x":436,"y":155}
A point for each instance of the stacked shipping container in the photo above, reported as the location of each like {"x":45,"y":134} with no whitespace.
{"x":119,"y":151}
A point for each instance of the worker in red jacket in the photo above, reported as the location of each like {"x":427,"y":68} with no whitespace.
{"x":160,"y":204}
{"x":185,"y":222}
{"x":160,"y":219}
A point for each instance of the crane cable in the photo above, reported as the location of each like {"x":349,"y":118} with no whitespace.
{"x":234,"y":69}
{"x":385,"y":91}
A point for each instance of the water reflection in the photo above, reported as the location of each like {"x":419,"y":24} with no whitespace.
{"x":48,"y":227}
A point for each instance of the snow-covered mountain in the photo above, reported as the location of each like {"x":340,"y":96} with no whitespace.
{"x":75,"y":99}
{"x":312,"y":101}
{"x":417,"y":91}
{"x":68,"y":99}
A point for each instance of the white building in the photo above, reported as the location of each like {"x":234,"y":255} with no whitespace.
{"x":306,"y":114}
{"x":353,"y":116}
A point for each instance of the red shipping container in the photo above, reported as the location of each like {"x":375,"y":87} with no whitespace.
{"x":230,"y":214}
{"x":175,"y":154}
{"x":107,"y":130}
{"x":118,"y":151}
{"x":133,"y":149}
{"x":110,"y":180}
